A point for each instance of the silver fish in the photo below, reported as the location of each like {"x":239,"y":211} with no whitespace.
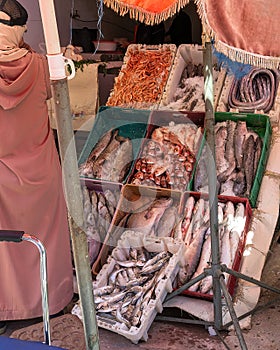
{"x":100,"y":145}
{"x":248,"y":162}
{"x":239,"y":138}
{"x":145,"y":221}
{"x":167,"y":222}
{"x":120,"y":318}
{"x":204,"y":261}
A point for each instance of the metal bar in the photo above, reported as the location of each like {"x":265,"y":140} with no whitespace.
{"x":186,"y":286}
{"x":212,"y":179}
{"x":232,"y":313}
{"x":44,"y":284}
{"x":249,"y":279}
{"x":183,"y":320}
{"x":73,"y":196}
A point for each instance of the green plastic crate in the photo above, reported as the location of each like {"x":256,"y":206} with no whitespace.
{"x":131,"y":123}
{"x":261,"y":125}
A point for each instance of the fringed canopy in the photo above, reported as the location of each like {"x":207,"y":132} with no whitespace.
{"x":147,"y":11}
{"x":245,"y":31}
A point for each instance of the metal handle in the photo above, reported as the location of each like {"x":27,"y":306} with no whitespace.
{"x":11,"y":235}
{"x":20,"y":236}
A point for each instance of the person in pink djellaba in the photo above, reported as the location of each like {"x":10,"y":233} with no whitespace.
{"x":31,"y":193}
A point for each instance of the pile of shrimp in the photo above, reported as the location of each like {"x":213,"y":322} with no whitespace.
{"x":142,"y":78}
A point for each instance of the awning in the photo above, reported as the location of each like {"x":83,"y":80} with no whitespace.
{"x":245,"y":31}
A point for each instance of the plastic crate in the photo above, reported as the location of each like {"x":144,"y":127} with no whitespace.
{"x":131,"y":123}
{"x":260,"y":124}
{"x":188,"y":53}
{"x":231,"y":282}
{"x":164,"y":286}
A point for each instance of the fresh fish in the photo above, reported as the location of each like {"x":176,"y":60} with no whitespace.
{"x":111,"y":201}
{"x":189,"y":205}
{"x":120,"y":318}
{"x":100,"y":167}
{"x":204,"y":261}
{"x":119,"y":160}
{"x":201,"y":176}
{"x":146,"y":220}
{"x":239,"y":186}
{"x":237,"y":228}
{"x":192,"y":254}
{"x":100,"y":145}
{"x":155,"y":267}
{"x":229,"y":151}
{"x":227,"y":188}
{"x":239,"y":138}
{"x":221,"y":162}
{"x":94,"y":244}
{"x":167,"y":222}
{"x":248,"y":162}
{"x":258,"y":151}
{"x":156,"y":258}
{"x":103,"y":290}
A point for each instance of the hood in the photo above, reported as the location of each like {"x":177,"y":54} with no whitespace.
{"x":17,"y":78}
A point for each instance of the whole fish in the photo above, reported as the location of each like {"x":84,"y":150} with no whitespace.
{"x":192,"y":254}
{"x":229,"y":151}
{"x":237,"y":228}
{"x":239,"y":138}
{"x":248,"y":162}
{"x":258,"y":151}
{"x":119,"y":162}
{"x":221,"y":161}
{"x":94,"y":244}
{"x":145,"y":221}
{"x":101,"y":144}
{"x":239,"y":186}
{"x":200,"y":176}
{"x":204,"y":260}
{"x":167,"y":222}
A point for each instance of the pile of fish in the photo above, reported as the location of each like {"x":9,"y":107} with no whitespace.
{"x":194,"y":230}
{"x":110,"y":159}
{"x":238,"y":150}
{"x":99,"y":208}
{"x":254,"y":91}
{"x":130,"y":285}
{"x":157,"y":217}
{"x":168,"y":157}
{"x":189,"y":94}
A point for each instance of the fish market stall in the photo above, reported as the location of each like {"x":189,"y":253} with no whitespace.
{"x":160,"y":208}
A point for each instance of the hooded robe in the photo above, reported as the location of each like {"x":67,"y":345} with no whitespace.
{"x":31,"y":193}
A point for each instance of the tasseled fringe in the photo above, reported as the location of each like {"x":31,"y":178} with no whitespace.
{"x":233,"y":53}
{"x":142,"y":15}
{"x":246,"y":57}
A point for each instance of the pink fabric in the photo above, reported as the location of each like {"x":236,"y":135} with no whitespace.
{"x":253,"y":26}
{"x":31,"y":195}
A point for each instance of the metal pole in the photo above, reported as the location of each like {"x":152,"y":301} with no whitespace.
{"x":73,"y":196}
{"x":212,"y":180}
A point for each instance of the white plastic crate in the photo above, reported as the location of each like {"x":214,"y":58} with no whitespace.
{"x":134,"y":239}
{"x":188,"y":53}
